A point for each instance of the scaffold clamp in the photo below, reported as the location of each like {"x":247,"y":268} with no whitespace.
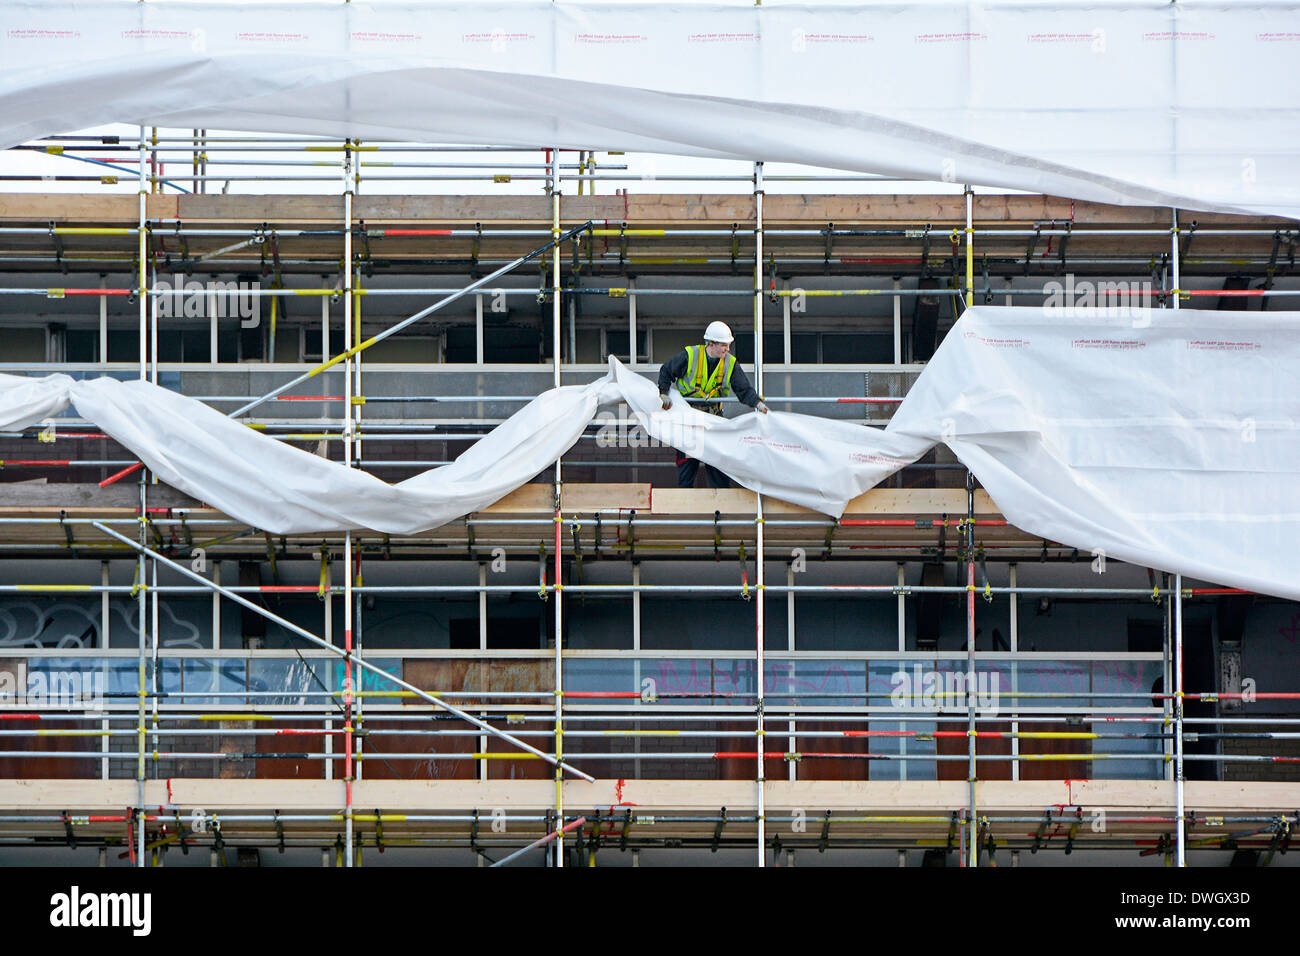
{"x":1042,"y":829}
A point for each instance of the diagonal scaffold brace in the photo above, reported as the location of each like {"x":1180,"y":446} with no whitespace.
{"x":394,"y":329}
{"x":391,"y":330}
{"x":360,"y":662}
{"x":554,"y":834}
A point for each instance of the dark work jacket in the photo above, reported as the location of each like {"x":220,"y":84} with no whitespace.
{"x":672,"y":370}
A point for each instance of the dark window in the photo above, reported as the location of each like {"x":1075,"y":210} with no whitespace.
{"x":803,"y":345}
{"x":461,"y":347}
{"x":171,"y":346}
{"x":743,"y":347}
{"x":857,"y":348}
{"x":311,"y":345}
{"x":503,"y":633}
{"x":195,"y":345}
{"x":124,"y":346}
{"x":616,"y":345}
{"x":514,"y":346}
{"x":252,"y":344}
{"x":1146,"y":636}
{"x":82,"y":345}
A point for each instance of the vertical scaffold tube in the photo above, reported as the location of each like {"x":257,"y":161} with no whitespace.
{"x":970,"y":559}
{"x":1014,"y":622}
{"x":1178,"y":715}
{"x":970,"y":249}
{"x":973,"y":842}
{"x":154,"y":662}
{"x":142,"y":293}
{"x":1174,"y":256}
{"x":758,"y":520}
{"x":348,"y":741}
{"x":352,"y":412}
{"x":141,"y":692}
{"x":559,"y":493}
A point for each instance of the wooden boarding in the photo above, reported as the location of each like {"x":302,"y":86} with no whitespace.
{"x":447,"y":675}
{"x":914,"y":517}
{"x":120,"y":210}
{"x":540,"y":499}
{"x":894,"y":502}
{"x":608,"y":211}
{"x":851,"y":256}
{"x":1036,"y":747}
{"x":892,"y":796}
{"x":611,"y":497}
{"x":860,"y":809}
{"x":20,"y":499}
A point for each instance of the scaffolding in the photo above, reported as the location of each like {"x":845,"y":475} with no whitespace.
{"x":606,"y":724}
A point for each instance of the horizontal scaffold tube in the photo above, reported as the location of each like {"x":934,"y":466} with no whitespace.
{"x":883,"y":590}
{"x":159,"y":755}
{"x":346,"y":655}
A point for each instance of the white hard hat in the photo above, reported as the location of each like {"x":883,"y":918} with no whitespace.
{"x":718,"y":332}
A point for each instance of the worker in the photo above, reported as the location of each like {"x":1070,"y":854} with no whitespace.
{"x":704,"y":374}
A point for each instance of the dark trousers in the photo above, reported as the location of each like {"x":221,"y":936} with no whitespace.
{"x":687,"y":469}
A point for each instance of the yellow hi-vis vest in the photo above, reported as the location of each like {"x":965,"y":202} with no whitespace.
{"x":698,"y":383}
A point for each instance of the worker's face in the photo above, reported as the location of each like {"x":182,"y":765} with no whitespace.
{"x":716,"y":349}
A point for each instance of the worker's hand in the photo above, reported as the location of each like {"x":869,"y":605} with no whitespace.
{"x":761,"y":407}
{"x":667,"y":402}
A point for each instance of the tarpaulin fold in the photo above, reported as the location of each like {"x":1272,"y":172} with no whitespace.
{"x":1149,"y":102}
{"x":1166,"y":438}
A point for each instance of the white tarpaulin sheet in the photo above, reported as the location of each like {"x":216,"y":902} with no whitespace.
{"x":1169,"y":439}
{"x":1157,"y":102}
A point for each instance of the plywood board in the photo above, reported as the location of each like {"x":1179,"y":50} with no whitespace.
{"x":610,"y":497}
{"x":877,"y":501}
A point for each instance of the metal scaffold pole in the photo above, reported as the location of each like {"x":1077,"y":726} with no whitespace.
{"x":1180,"y":790}
{"x":352,"y":412}
{"x":972,"y":772}
{"x":1175,"y":257}
{"x":349,"y":742}
{"x":140,"y":580}
{"x":758,"y":519}
{"x":972,"y":843}
{"x":559,"y":493}
{"x":142,"y":264}
{"x":970,"y":248}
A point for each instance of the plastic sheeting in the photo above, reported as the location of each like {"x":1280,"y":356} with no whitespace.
{"x":271,"y":485}
{"x":1164,"y":438}
{"x":1155,"y":102}
{"x":1169,"y":439}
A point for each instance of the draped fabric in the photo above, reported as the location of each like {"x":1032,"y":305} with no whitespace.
{"x":1170,"y":439}
{"x":1154,"y":102}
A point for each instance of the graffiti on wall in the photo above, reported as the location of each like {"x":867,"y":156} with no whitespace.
{"x":60,"y":623}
